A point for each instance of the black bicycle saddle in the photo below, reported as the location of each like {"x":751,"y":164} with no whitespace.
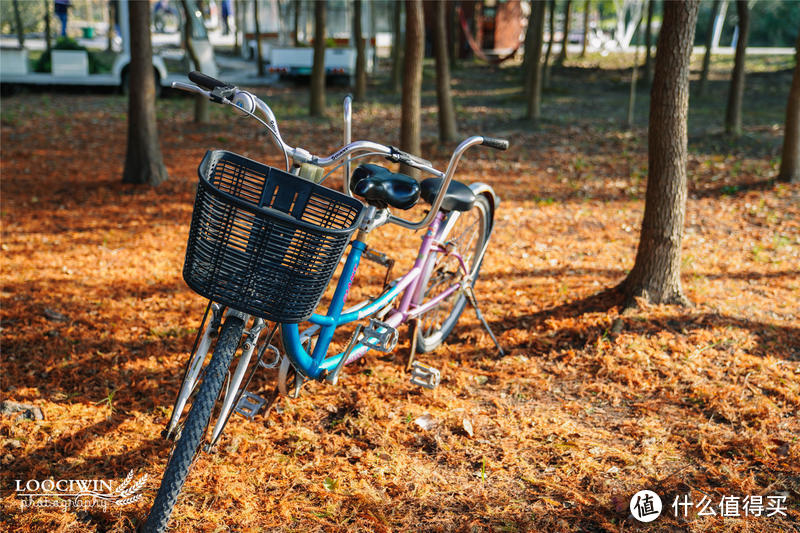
{"x":382,"y":188}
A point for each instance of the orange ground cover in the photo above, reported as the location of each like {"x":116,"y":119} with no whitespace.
{"x":590,"y":405}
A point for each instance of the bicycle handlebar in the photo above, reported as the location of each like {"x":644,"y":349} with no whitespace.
{"x":220,"y":92}
{"x":205,"y":81}
{"x":497,"y":144}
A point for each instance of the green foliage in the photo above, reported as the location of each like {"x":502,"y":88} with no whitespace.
{"x":772,"y":23}
{"x":45,"y":63}
{"x":31,"y":13}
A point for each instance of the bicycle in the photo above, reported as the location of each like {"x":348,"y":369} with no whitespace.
{"x":263,"y":247}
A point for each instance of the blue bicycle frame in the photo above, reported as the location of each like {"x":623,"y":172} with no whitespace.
{"x":316,"y":364}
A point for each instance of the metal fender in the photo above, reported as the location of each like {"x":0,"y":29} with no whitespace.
{"x":486,"y":190}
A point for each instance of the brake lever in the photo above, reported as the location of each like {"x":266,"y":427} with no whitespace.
{"x":221,"y":93}
{"x":190,"y":88}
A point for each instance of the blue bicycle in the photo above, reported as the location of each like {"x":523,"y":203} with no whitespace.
{"x":263,"y":247}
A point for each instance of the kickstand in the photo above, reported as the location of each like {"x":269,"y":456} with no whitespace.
{"x":470,"y":292}
{"x":413,"y":353}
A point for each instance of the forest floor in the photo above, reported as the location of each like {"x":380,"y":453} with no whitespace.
{"x":591,"y":404}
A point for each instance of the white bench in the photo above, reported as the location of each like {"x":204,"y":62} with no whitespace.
{"x":70,"y":63}
{"x":13,"y":61}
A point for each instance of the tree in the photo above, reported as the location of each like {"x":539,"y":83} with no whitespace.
{"x":259,"y":52}
{"x":143,"y":161}
{"x":790,"y":158}
{"x":701,"y":88}
{"x":412,"y":80}
{"x":200,"y":101}
{"x":317,"y":106}
{"x":533,"y":59}
{"x":656,"y":272}
{"x":237,"y":18}
{"x":361,"y":57}
{"x":648,"y":40}
{"x":733,"y":113}
{"x":397,"y":46}
{"x":562,"y":54}
{"x":634,"y":76}
{"x":586,"y":12}
{"x":18,"y":23}
{"x":552,"y":29}
{"x":447,"y":115}
{"x":296,"y":28}
{"x":47,"y":44}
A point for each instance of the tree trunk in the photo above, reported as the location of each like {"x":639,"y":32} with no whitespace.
{"x":259,"y":55}
{"x":410,"y":122}
{"x":533,"y":57}
{"x":790,"y":158}
{"x":317,"y":106}
{"x":447,"y":115}
{"x":586,"y":11}
{"x":143,"y":161}
{"x":701,"y":88}
{"x":47,"y":34}
{"x":18,"y":22}
{"x":552,"y":27}
{"x":634,"y":76}
{"x":453,"y":40}
{"x":237,"y":44}
{"x":397,"y":47}
{"x":562,"y":54}
{"x":361,"y":54}
{"x":648,"y":40}
{"x":297,"y":7}
{"x":656,"y":272}
{"x":733,"y":113}
{"x":200,"y":101}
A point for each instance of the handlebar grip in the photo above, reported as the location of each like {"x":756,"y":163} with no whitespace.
{"x":497,"y":144}
{"x":206,"y":82}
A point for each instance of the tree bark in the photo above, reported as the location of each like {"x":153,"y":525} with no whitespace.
{"x":552,"y":28}
{"x":533,"y":57}
{"x":237,"y":44}
{"x":733,"y":113}
{"x":648,"y":41}
{"x":317,"y":105}
{"x":361,"y":54}
{"x":447,"y":115}
{"x":586,"y":11}
{"x":200,"y":101}
{"x":143,"y":161}
{"x":18,"y":23}
{"x":790,"y":158}
{"x":562,"y":54}
{"x":297,"y":6}
{"x":47,"y":44}
{"x":410,"y":122}
{"x":701,"y":88}
{"x":397,"y":46}
{"x":632,"y":97}
{"x":259,"y":54}
{"x":656,"y":271}
{"x":453,"y":40}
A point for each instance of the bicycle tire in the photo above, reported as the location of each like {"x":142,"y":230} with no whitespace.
{"x":430,"y":338}
{"x":195,"y":427}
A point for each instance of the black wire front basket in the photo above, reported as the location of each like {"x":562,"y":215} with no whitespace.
{"x":263,"y":241}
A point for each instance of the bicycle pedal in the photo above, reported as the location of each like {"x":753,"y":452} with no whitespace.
{"x":379,"y":336}
{"x":425,"y":376}
{"x":377,"y":257}
{"x":249,"y":405}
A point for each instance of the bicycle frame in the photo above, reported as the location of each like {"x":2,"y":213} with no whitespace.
{"x":318,"y":364}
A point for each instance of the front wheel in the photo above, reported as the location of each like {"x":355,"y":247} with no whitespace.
{"x":195,"y":428}
{"x":467,"y":236}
